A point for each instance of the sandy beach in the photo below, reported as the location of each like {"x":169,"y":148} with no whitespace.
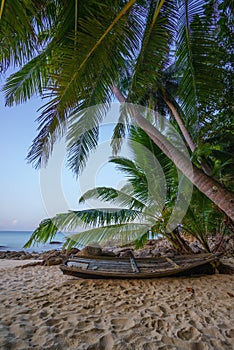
{"x":42,"y":309}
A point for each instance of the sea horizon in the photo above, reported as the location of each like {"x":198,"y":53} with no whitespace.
{"x":14,"y":240}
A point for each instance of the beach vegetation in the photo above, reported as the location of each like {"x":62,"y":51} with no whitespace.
{"x":142,"y":208}
{"x":173,"y":57}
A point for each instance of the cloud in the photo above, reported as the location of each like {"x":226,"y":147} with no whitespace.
{"x":14,"y":222}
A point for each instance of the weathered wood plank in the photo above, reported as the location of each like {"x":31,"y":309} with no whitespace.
{"x":136,"y":268}
{"x":134,"y":265}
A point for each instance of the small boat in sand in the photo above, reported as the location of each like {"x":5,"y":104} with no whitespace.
{"x":109,"y":267}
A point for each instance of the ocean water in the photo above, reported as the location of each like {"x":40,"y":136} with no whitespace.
{"x":15,"y":240}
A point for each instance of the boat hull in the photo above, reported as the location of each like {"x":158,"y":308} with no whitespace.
{"x":130,"y":268}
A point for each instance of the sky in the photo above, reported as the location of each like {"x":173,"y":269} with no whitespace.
{"x":21,"y":206}
{"x":28,"y":196}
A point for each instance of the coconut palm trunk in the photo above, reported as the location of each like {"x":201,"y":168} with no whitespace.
{"x":185,"y":133}
{"x":179,"y":121}
{"x":211,"y":188}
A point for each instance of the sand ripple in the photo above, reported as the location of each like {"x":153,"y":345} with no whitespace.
{"x":42,"y":309}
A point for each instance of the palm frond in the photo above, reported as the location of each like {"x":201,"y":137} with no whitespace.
{"x":18,"y":37}
{"x":49,"y":24}
{"x":166,"y":185}
{"x":97,"y":48}
{"x":94,"y":55}
{"x":203,"y":219}
{"x":45,"y":232}
{"x":121,"y":129}
{"x":52,"y":127}
{"x":118,"y":136}
{"x":74,"y":220}
{"x":198,"y":62}
{"x":2,"y":8}
{"x":188,"y":10}
{"x":135,"y":176}
{"x":127,"y":166}
{"x":97,"y":44}
{"x":95,"y":217}
{"x":120,"y":198}
{"x":154,"y":54}
{"x":30,"y":80}
{"x":83,"y":134}
{"x":123,"y":233}
{"x":79,"y":152}
{"x":138,"y":136}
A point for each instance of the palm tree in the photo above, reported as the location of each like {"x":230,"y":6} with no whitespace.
{"x":87,"y":51}
{"x":139,"y":206}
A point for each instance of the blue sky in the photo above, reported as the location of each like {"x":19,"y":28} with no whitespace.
{"x":24,"y":199}
{"x":21,"y":206}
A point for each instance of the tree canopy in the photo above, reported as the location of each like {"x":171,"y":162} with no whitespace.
{"x":174,"y":57}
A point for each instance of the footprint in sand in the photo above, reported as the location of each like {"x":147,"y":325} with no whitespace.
{"x":52,"y":322}
{"x":160,"y":310}
{"x":43,"y":314}
{"x":149,"y":346}
{"x":151,"y":324}
{"x":230,"y":333}
{"x":106,"y":342}
{"x":189,"y":333}
{"x":122,"y":323}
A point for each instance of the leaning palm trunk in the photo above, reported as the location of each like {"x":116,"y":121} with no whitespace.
{"x":178,"y":242}
{"x":223,"y":198}
{"x":182,"y":127}
{"x":185,"y":133}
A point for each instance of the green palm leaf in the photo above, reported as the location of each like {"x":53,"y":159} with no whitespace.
{"x":83,"y":134}
{"x":18,"y":36}
{"x":74,"y":220}
{"x":154,"y":53}
{"x":123,"y":233}
{"x":2,"y":8}
{"x":93,"y":56}
{"x":120,"y":198}
{"x":198,"y":62}
{"x":97,"y":44}
{"x":138,"y":136}
{"x":52,"y":128}
{"x":95,"y":217}
{"x":30,"y":80}
{"x":203,"y":220}
{"x":153,"y":56}
{"x":45,"y":232}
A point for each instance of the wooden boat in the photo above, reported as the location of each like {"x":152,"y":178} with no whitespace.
{"x":109,"y":267}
